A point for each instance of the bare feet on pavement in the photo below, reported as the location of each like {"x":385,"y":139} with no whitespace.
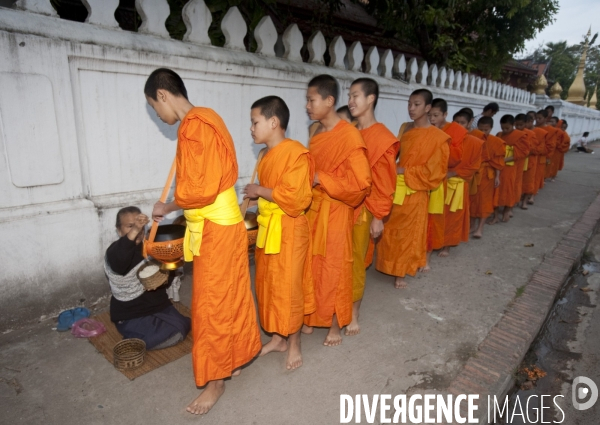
{"x":207,"y":399}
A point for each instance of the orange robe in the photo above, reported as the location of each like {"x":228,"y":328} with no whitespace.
{"x":540,"y":171}
{"x":565,"y":148}
{"x":529,"y":175}
{"x":457,"y":223}
{"x":492,"y":159}
{"x":520,"y":167}
{"x":556,"y":158}
{"x":507,"y":192}
{"x":436,"y":228}
{"x":382,"y":149}
{"x":284,"y":286}
{"x":224,"y":328}
{"x":553,"y":139}
{"x":424,"y":156}
{"x":345,"y":179}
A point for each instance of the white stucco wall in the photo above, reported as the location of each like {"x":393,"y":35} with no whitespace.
{"x":78,"y":141}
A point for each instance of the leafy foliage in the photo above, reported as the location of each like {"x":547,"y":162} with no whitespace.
{"x":465,"y":35}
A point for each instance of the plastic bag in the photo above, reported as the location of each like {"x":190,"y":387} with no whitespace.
{"x":87,"y":328}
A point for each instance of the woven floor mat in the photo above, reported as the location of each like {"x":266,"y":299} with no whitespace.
{"x":154,"y":359}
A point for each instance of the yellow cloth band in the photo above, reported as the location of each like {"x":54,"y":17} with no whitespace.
{"x":402,"y":190}
{"x":224,"y":211}
{"x":526,"y":165}
{"x":269,"y":226}
{"x":510,"y":151}
{"x":436,"y":200}
{"x":456,"y":193}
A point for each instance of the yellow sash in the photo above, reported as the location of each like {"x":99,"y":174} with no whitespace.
{"x":436,"y":200}
{"x":526,"y":165}
{"x":456,"y":193}
{"x":269,"y":226}
{"x":224,"y":211}
{"x":510,"y":151}
{"x":402,"y":190}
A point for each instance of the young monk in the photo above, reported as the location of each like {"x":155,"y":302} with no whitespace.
{"x":525,"y":123}
{"x":224,"y":327}
{"x":423,"y":164}
{"x":456,"y":209}
{"x":516,"y":151}
{"x":541,"y":133}
{"x":284,"y":289}
{"x":382,"y":149}
{"x":566,"y":146}
{"x":342,"y":180}
{"x":521,"y":164}
{"x":344,"y":113}
{"x":551,"y":143}
{"x":492,"y":162}
{"x":563,"y":144}
{"x":437,"y":210}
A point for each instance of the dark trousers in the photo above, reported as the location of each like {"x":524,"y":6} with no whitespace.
{"x":156,"y":328}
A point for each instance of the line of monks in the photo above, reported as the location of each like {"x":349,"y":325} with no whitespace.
{"x":323,"y":210}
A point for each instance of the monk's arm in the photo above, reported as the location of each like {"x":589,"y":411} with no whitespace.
{"x":521,"y":148}
{"x":455,"y":153}
{"x":352,"y":182}
{"x":254,"y":191}
{"x":428,"y":176}
{"x":471,"y":164}
{"x":293,"y":193}
{"x":199,"y":166}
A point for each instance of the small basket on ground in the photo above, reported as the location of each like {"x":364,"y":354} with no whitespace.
{"x":155,"y":280}
{"x":129,"y":353}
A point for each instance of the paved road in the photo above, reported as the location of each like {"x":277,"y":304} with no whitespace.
{"x":412,"y":340}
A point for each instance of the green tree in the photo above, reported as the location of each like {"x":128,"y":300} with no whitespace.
{"x":467,"y":35}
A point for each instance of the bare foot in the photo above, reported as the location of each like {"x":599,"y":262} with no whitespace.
{"x":400,"y":283}
{"x":444,"y":252}
{"x":354,"y":328}
{"x":530,"y":201}
{"x":478,"y":234}
{"x":334,"y":336}
{"x":505,"y":218}
{"x":425,"y":269}
{"x":307,"y":329}
{"x":510,"y":214}
{"x":294,"y":357}
{"x":207,"y":399}
{"x":523,"y":205}
{"x":238,"y":371}
{"x":277,"y":343}
{"x":492,"y":220}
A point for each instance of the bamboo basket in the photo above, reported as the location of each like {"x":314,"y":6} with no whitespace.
{"x":157,"y":279}
{"x":129,"y":353}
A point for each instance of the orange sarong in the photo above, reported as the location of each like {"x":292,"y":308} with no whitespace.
{"x":224,"y":328}
{"x":344,"y":180}
{"x":382,"y":149}
{"x":424,"y":156}
{"x":507,"y":192}
{"x":540,"y":171}
{"x":492,"y":159}
{"x":284,"y":285}
{"x":527,"y":187}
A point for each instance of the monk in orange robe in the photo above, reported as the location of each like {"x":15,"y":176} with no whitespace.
{"x":436,"y":222}
{"x":284,"y":287}
{"x":382,"y":149}
{"x":540,"y":131}
{"x":424,"y":151}
{"x":567,"y":144}
{"x":456,"y":213}
{"x":516,"y":150}
{"x":529,"y":176}
{"x":522,"y":163}
{"x":552,"y":171}
{"x":487,"y":178}
{"x":563,"y":145}
{"x":552,"y":142}
{"x":342,"y":180}
{"x":224,"y":328}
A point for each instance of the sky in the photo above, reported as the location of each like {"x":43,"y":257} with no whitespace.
{"x":571,"y":23}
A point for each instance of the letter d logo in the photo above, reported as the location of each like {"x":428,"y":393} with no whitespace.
{"x":581,"y":393}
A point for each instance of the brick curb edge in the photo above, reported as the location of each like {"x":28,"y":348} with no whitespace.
{"x":490,"y":371}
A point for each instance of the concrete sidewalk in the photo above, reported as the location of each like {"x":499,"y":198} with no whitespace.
{"x":412,"y":340}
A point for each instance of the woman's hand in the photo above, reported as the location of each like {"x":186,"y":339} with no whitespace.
{"x":137,"y":229}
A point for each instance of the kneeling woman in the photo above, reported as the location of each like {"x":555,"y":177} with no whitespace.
{"x":137,"y":313}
